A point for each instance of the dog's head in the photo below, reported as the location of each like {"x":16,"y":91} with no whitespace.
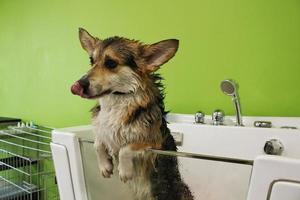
{"x":119,"y":65}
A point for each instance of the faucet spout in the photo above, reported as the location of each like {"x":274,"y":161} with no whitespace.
{"x":237,"y":105}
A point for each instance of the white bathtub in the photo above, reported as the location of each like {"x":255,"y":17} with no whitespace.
{"x":218,"y":166}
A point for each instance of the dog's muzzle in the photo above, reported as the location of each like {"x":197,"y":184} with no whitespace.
{"x":77,"y":89}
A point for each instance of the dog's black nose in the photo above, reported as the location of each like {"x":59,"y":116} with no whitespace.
{"x":84,"y":82}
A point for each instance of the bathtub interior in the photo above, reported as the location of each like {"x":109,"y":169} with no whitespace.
{"x":206,"y":179}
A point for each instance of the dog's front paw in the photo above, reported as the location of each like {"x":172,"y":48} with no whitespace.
{"x":125,"y":174}
{"x":106,"y":169}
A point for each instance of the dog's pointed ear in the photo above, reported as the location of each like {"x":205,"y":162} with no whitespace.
{"x":88,"y":42}
{"x":157,"y":54}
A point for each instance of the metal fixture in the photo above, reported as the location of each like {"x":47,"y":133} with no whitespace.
{"x":229,"y":87}
{"x":263,"y":124}
{"x":199,"y":117}
{"x":289,"y":127}
{"x":273,"y":147}
{"x":218,"y":117}
{"x":189,"y":155}
{"x":25,"y":163}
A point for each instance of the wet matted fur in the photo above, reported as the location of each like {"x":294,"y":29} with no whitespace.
{"x":131,"y":117}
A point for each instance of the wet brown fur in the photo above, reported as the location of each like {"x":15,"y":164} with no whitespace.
{"x":131,"y":118}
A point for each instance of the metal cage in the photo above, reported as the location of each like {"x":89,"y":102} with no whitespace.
{"x":26,"y":167}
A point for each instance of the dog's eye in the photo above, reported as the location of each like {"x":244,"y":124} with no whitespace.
{"x":91,"y":60}
{"x":109,"y":63}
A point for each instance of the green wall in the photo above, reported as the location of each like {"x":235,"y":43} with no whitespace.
{"x":255,"y":42}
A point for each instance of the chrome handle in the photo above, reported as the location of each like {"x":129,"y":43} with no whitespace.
{"x":218,"y":117}
{"x":199,"y":117}
{"x":263,"y":124}
{"x":273,"y":147}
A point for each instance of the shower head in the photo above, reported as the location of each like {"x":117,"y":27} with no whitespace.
{"x":229,"y":87}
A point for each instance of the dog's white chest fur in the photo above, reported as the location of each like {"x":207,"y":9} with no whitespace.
{"x":109,"y":128}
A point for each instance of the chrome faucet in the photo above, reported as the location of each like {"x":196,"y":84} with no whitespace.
{"x":199,"y":117}
{"x":218,"y":117}
{"x":229,"y":87}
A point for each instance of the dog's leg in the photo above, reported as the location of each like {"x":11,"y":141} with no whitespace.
{"x":126,"y":156}
{"x":104,"y":159}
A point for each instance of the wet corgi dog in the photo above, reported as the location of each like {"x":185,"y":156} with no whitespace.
{"x":130,"y":116}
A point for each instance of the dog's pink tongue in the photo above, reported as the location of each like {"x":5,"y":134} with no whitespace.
{"x":77,"y":89}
